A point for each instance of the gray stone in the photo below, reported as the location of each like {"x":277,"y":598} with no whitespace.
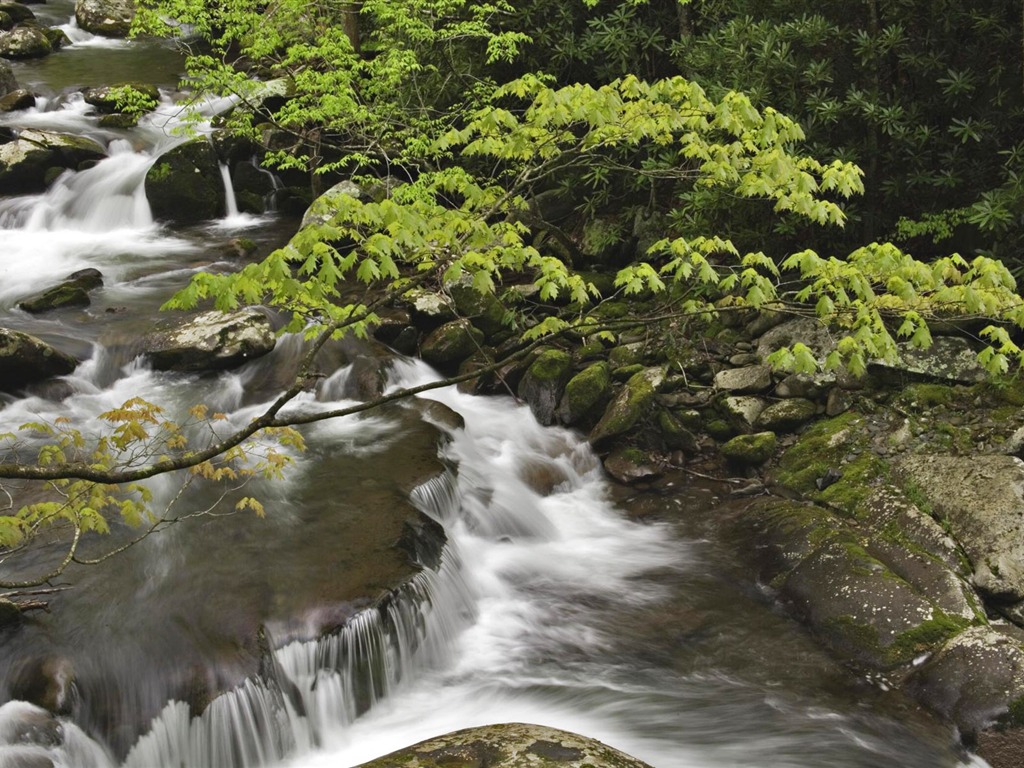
{"x":25,"y":360}
{"x":805,"y":385}
{"x":752,"y":380}
{"x":510,"y":745}
{"x":949,"y":360}
{"x":974,"y":679}
{"x":110,"y":18}
{"x":25,"y":42}
{"x":16,"y":100}
{"x":430,"y":307}
{"x":812,"y":333}
{"x":980,"y":501}
{"x":24,"y":162}
{"x":631,"y":465}
{"x":742,"y":411}
{"x":322,"y":210}
{"x":104,"y":97}
{"x":212,"y":341}
{"x":786,"y":415}
{"x":8,"y":82}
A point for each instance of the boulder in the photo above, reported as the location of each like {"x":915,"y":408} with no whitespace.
{"x":586,"y":394}
{"x":17,"y":99}
{"x":212,"y":341}
{"x":25,"y":42}
{"x":24,"y":163}
{"x":25,"y":360}
{"x":47,"y":682}
{"x":742,"y":411}
{"x":450,"y":344}
{"x":949,"y":360}
{"x":786,"y":415}
{"x":428,"y":307}
{"x":482,"y":308}
{"x":106,"y":97}
{"x":184,"y":186}
{"x":72,"y":292}
{"x":980,"y":500}
{"x":6,"y":22}
{"x":752,"y":380}
{"x":751,"y":450}
{"x":110,"y":18}
{"x":543,"y":383}
{"x":510,"y":745}
{"x":18,"y":12}
{"x":976,"y":679}
{"x":629,"y":407}
{"x":322,"y":209}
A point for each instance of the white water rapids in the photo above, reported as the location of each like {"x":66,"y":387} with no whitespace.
{"x":550,"y":604}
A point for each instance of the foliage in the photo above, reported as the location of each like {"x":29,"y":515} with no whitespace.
{"x":132,"y":101}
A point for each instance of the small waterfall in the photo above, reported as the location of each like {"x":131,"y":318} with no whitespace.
{"x":230,"y":203}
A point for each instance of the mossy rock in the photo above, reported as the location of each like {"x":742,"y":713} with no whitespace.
{"x":631,"y":465}
{"x":544,"y":381}
{"x":675,"y":434}
{"x":586,"y":394}
{"x":450,"y":344}
{"x":786,"y":415}
{"x":483,"y":309}
{"x":820,"y":448}
{"x":184,"y":186}
{"x":751,"y":450}
{"x":630,"y":407}
{"x":24,"y":360}
{"x":509,"y":745}
{"x":626,"y":355}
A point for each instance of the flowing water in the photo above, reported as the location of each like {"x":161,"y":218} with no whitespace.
{"x":556,"y":600}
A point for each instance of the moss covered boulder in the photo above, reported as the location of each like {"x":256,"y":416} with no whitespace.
{"x":25,"y":41}
{"x":24,"y":360}
{"x":481,"y":308}
{"x":586,"y":394}
{"x":26,"y":163}
{"x":751,"y":450}
{"x":544,"y":381}
{"x":786,"y":415}
{"x":450,"y":344}
{"x":72,"y":292}
{"x":509,"y":745}
{"x":184,"y":186}
{"x":630,"y":407}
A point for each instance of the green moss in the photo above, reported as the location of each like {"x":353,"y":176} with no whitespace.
{"x":1004,"y":413}
{"x":720,"y":429}
{"x":551,"y":365}
{"x":753,"y":449}
{"x":855,"y":635}
{"x":626,"y":372}
{"x":159,"y":172}
{"x":925,"y":637}
{"x":1014,"y":716}
{"x":926,"y":395}
{"x":819,"y":448}
{"x":860,"y":476}
{"x":586,"y":391}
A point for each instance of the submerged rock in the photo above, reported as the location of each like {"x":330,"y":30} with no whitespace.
{"x":72,"y":292}
{"x":212,"y":341}
{"x":24,"y":360}
{"x":510,"y":745}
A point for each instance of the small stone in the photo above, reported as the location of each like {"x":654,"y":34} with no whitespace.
{"x":751,"y":450}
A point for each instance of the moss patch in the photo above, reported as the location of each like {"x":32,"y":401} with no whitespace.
{"x":925,"y":637}
{"x":822,"y":446}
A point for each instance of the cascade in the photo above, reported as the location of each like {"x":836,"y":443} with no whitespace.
{"x":547,"y":604}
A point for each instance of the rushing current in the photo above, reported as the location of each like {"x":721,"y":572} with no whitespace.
{"x":557,"y":599}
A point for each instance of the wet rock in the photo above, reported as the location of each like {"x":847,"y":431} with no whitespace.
{"x":980,"y":501}
{"x":24,"y":163}
{"x":626,"y":354}
{"x":72,"y":292}
{"x":367,"y":377}
{"x":630,"y":406}
{"x":106,"y":98}
{"x":110,"y":18}
{"x":675,"y":434}
{"x":750,"y":450}
{"x":212,"y":341}
{"x":25,"y":42}
{"x":10,"y":614}
{"x":6,"y":22}
{"x":430,"y":308}
{"x":976,"y":679}
{"x":543,"y":383}
{"x":450,"y":344}
{"x":56,"y":37}
{"x":751,"y":380}
{"x":184,"y":185}
{"x":631,"y":465}
{"x":47,"y":682}
{"x":786,"y":416}
{"x":510,"y":745}
{"x":24,"y":360}
{"x":804,"y":385}
{"x":22,"y":722}
{"x":17,"y":99}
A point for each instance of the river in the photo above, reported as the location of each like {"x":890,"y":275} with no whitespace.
{"x":560,"y":599}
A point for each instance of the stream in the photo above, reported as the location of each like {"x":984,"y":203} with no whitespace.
{"x":559,"y":599}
